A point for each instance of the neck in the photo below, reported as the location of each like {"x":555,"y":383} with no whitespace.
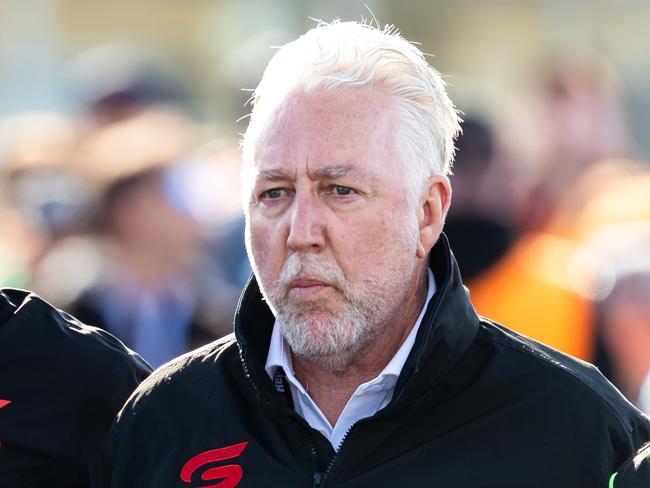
{"x":331,"y":387}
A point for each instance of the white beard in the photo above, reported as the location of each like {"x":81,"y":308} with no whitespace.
{"x":314,"y":330}
{"x":331,"y":331}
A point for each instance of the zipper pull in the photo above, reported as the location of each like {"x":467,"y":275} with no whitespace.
{"x":319,"y":480}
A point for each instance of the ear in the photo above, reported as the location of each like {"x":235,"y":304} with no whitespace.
{"x":434,"y":205}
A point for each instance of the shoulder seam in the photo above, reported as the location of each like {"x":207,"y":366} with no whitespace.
{"x":540,"y":355}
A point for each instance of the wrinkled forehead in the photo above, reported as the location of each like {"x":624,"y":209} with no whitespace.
{"x":327,"y":125}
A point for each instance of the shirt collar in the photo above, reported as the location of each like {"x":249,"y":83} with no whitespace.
{"x":279,"y":356}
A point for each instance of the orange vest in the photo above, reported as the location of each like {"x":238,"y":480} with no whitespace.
{"x":530,"y":290}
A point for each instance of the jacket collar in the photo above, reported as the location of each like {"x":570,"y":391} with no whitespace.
{"x":449,"y":326}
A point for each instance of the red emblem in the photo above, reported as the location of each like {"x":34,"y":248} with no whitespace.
{"x":227,"y":476}
{"x":4,"y":403}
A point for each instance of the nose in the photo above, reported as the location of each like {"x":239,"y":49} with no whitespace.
{"x":307,"y":228}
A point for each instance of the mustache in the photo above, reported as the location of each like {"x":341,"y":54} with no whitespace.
{"x":313,"y":267}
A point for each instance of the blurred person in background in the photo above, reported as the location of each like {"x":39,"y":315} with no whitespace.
{"x":43,"y":197}
{"x":136,"y":264}
{"x":612,"y":225}
{"x":482,"y":210}
{"x":625,"y":325}
{"x":574,"y":118}
{"x":146,"y":289}
{"x":576,"y":121}
{"x":115,"y":81}
{"x":61,"y":384}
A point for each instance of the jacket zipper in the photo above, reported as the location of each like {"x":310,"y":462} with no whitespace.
{"x":321,"y":477}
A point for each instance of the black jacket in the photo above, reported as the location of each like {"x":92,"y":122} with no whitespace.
{"x":61,"y":384}
{"x":476,"y":405}
{"x":635,"y":473}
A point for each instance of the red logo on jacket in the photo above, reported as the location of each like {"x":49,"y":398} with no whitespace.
{"x":229,"y":475}
{"x":4,"y":403}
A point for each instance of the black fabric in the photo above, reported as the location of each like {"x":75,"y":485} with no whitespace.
{"x":65,"y":382}
{"x":635,"y":473}
{"x":478,"y":242}
{"x":476,"y":405}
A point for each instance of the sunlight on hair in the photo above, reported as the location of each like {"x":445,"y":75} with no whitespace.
{"x":338,"y":55}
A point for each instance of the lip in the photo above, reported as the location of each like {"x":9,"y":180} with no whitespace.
{"x":304,"y":288}
{"x":306,"y":283}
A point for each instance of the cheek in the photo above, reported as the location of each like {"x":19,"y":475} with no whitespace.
{"x":400,"y":227}
{"x":379,"y":244}
{"x":264,"y":246}
{"x":400,"y":248}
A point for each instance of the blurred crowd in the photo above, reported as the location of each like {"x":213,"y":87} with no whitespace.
{"x":126,"y":213}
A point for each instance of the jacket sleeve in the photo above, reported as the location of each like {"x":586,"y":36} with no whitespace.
{"x":124,"y":377}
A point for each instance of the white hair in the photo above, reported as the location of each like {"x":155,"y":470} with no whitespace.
{"x":343,"y":54}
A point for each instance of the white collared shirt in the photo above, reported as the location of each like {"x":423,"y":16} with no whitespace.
{"x":369,"y":397}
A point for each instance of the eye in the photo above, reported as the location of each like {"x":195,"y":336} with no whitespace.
{"x":273,"y":193}
{"x":342,"y":190}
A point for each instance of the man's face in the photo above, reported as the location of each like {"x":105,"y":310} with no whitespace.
{"x":329,"y":229}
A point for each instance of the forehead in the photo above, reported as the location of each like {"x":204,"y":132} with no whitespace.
{"x":350,"y":126}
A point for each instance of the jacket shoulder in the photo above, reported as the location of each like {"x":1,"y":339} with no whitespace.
{"x":564,"y":375}
{"x":28,"y":322}
{"x":190,"y":374}
{"x":83,"y":374}
{"x":635,"y":472}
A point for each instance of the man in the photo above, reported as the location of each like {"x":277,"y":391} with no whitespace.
{"x":61,"y":384}
{"x":357,"y":358}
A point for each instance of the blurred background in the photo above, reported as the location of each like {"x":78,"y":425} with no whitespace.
{"x":119,"y":161}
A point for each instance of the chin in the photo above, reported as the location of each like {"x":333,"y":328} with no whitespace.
{"x":335,"y":363}
{"x":330,"y":340}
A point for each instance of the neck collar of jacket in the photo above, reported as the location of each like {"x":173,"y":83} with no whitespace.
{"x":449,"y":326}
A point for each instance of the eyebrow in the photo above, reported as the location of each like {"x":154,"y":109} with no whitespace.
{"x":273,"y":175}
{"x":329,"y":172}
{"x":339,"y":170}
